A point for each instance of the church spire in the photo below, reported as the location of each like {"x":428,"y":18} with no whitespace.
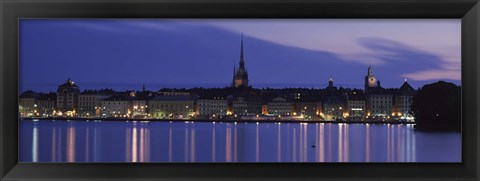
{"x":241,"y":75}
{"x":242,"y":62}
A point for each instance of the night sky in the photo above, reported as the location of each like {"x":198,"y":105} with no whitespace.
{"x":184,"y":53}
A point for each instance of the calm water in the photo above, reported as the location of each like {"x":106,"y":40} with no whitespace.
{"x":80,"y":141}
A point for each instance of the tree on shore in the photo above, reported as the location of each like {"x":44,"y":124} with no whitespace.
{"x":437,"y":107}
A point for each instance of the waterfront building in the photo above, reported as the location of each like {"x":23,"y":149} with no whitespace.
{"x":117,"y":105}
{"x":379,"y":102}
{"x":309,"y":110}
{"x":280,"y":106}
{"x":333,"y":103}
{"x":139,"y":108}
{"x":90,"y":102}
{"x":140,"y":101}
{"x":403,"y":101}
{"x":67,"y":98}
{"x":254,"y":105}
{"x":356,"y":104}
{"x":171,"y":107}
{"x":27,"y":103}
{"x":215,"y":106}
{"x":219,"y":106}
{"x":203,"y":107}
{"x":46,"y":104}
{"x":240,"y":77}
{"x":333,"y":108}
{"x":239,"y":106}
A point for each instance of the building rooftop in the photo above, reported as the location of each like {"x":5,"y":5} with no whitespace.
{"x":69,"y":86}
{"x":406,"y":87}
{"x":171,"y":98}
{"x":29,"y":94}
{"x":68,"y":83}
{"x":356,"y":95}
{"x":118,"y":97}
{"x":47,"y":97}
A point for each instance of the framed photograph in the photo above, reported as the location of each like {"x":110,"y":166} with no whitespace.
{"x":239,"y":90}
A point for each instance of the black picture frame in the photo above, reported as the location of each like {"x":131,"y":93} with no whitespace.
{"x":12,"y":10}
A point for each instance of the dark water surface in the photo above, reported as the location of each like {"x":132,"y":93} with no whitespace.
{"x":117,"y":141}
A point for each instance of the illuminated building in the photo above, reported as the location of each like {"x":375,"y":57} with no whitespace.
{"x":140,"y":101}
{"x":333,"y":102}
{"x":203,"y":107}
{"x":27,"y":103}
{"x":239,"y":106}
{"x":403,"y":100}
{"x":67,"y":98}
{"x":279,"y":106}
{"x":89,"y":102}
{"x":379,"y":101}
{"x":46,"y":104}
{"x":116,"y":106}
{"x":211,"y":106}
{"x":356,"y":104}
{"x":310,"y":110}
{"x":171,"y":107}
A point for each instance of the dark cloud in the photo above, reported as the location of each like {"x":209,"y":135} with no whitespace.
{"x":52,"y":51}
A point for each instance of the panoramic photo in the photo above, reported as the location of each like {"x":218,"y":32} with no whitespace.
{"x":240,"y":90}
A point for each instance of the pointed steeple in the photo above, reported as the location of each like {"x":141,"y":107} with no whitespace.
{"x":242,"y":62}
{"x":241,"y":75}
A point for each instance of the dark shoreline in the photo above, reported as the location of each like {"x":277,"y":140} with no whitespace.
{"x":222,"y":120}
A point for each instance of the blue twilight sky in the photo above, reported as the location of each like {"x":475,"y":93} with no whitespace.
{"x":127,"y":53}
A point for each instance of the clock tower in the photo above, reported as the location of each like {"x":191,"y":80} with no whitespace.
{"x":370,"y":79}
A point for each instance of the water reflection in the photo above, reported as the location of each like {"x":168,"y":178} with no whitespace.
{"x":54,"y":144}
{"x":96,"y":142}
{"x":87,"y":145}
{"x":71,"y":144}
{"x":279,"y":144}
{"x":170,"y":146}
{"x":186,"y":145}
{"x":192,"y":145}
{"x":235,"y":148}
{"x":35,"y":144}
{"x":367,"y":143}
{"x":257,"y":145}
{"x":137,"y":143}
{"x":213,"y":144}
{"x":77,"y":141}
{"x":228,"y":144}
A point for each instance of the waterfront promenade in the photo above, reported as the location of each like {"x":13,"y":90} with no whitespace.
{"x":370,"y":121}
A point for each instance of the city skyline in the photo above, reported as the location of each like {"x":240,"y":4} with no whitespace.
{"x":202,"y":53}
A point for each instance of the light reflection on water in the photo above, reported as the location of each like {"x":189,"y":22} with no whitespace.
{"x":78,"y":141}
